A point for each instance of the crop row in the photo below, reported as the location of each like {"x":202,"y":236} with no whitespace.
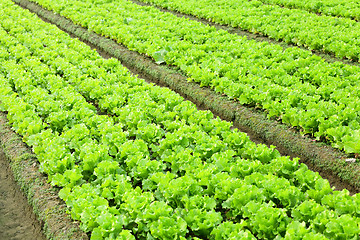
{"x":327,"y":34}
{"x":302,"y":89}
{"x":153,"y":166}
{"x":78,"y":146}
{"x":339,"y":8}
{"x":323,"y":33}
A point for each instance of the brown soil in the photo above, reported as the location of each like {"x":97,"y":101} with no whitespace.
{"x":17,"y":218}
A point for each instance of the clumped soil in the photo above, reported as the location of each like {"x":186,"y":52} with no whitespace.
{"x":17,"y":219}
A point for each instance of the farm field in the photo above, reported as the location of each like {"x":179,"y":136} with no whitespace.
{"x":301,"y":89}
{"x":132,"y":160}
{"x":295,"y":26}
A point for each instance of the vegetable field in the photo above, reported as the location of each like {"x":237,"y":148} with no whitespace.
{"x":132,"y":160}
{"x":302,"y":89}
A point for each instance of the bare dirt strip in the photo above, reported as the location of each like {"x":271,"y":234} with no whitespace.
{"x":30,"y":208}
{"x":17,"y":218}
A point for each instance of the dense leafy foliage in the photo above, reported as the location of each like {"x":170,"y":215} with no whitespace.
{"x":340,"y":8}
{"x":302,"y":89}
{"x":323,"y":33}
{"x":151,"y":166}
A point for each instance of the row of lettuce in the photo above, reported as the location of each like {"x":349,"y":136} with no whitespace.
{"x":301,"y":89}
{"x":338,"y":8}
{"x":144,"y":163}
{"x":328,"y":34}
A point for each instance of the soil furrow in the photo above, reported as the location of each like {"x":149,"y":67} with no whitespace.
{"x":17,"y":219}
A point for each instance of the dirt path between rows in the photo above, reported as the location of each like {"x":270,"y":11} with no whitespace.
{"x":17,"y":219}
